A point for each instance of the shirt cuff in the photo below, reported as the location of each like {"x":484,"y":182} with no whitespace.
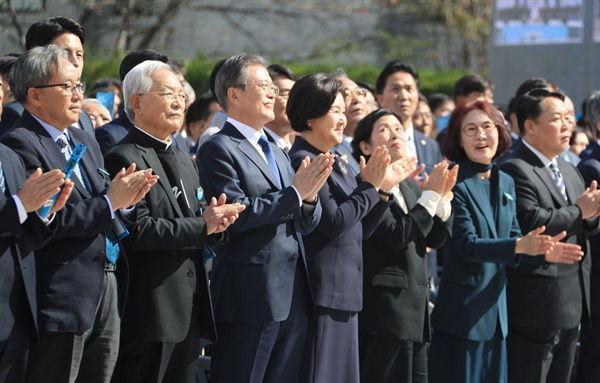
{"x":112,"y":213}
{"x":298,"y":194}
{"x":20,"y":209}
{"x":126,"y":212}
{"x":430,"y":201}
{"x":444,"y":209}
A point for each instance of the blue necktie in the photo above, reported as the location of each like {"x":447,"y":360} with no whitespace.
{"x":266,"y":148}
{"x":112,"y":245}
{"x":558,"y":180}
{"x":2,"y":183}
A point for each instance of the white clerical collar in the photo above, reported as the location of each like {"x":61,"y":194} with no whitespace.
{"x":167,"y":143}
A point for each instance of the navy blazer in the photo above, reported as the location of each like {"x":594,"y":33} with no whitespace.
{"x":109,"y":135}
{"x":70,"y":268}
{"x":17,"y":242}
{"x":252,"y":279}
{"x":428,"y":151}
{"x":590,"y":171}
{"x":556,"y":296}
{"x":351,"y":212}
{"x":472,"y":292}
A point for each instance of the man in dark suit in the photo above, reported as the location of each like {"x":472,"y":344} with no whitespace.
{"x":589,"y":368}
{"x":21,"y":231}
{"x":546,"y":304}
{"x":168,"y":306}
{"x":110,"y":134}
{"x":260,"y":285}
{"x":398,"y":90}
{"x":78,"y":300}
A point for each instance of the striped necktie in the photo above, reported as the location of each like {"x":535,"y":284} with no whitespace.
{"x":558,"y":180}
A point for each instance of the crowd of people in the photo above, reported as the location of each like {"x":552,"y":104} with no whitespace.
{"x":299,"y":225}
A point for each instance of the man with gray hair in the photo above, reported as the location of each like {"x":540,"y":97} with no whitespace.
{"x":168,"y":307}
{"x":81,"y":272}
{"x":589,"y":368}
{"x":260,"y":285}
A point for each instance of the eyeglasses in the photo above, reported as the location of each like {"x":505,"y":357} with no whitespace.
{"x":68,"y":88}
{"x":357,"y":92}
{"x":266,"y":87}
{"x":472,"y":130}
{"x":170,"y":97}
{"x":284,"y":93}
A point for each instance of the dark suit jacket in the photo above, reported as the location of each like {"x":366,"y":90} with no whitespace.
{"x":17,"y":242}
{"x":590,"y":170}
{"x":395,"y":277}
{"x":108,"y":135}
{"x":10,"y":113}
{"x":164,"y":249}
{"x":70,"y":268}
{"x":556,"y":296}
{"x":351,"y":212}
{"x":472,"y":292}
{"x":253,"y":278}
{"x":428,"y":151}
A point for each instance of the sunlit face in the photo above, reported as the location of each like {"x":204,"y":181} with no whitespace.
{"x":423,"y":119}
{"x":54,"y":105}
{"x":98,"y":114}
{"x":570,"y":113}
{"x":400,"y":95}
{"x":254,"y":105}
{"x":550,"y":133}
{"x":328,"y":130}
{"x":356,"y":107}
{"x":479,"y":137}
{"x":154,"y":112}
{"x":281,"y":118}
{"x":72,"y":45}
{"x":5,"y":87}
{"x":580,"y":142}
{"x":387,"y":131}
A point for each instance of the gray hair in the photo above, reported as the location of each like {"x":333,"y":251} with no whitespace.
{"x":592,"y":107}
{"x":93,"y":101}
{"x":233,"y":74}
{"x":138,"y":81}
{"x":34,"y":68}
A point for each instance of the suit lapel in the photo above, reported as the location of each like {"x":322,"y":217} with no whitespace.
{"x":478,"y":194}
{"x":251,"y":152}
{"x":542,"y":172}
{"x":569,"y":179}
{"x":282,"y":164}
{"x":153,"y":162}
{"x":10,"y":176}
{"x":409,"y":195}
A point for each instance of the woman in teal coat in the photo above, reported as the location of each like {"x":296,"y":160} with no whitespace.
{"x":470,"y":315}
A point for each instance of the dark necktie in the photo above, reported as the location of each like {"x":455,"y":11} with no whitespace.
{"x":266,"y":148}
{"x":112,"y":245}
{"x":558,"y":179}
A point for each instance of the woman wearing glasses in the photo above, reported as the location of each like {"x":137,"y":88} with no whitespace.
{"x":350,"y":212}
{"x":470,"y":314}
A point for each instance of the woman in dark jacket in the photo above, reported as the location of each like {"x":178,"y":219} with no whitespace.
{"x":351,"y":211}
{"x":394,"y":323}
{"x":470,"y":315}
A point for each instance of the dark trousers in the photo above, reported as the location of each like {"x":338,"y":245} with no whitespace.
{"x":13,"y":354}
{"x":589,"y":352}
{"x":266,"y":351}
{"x":386,"y":359}
{"x":540,"y":355}
{"x":88,"y":357}
{"x":331,"y":350}
{"x":154,"y":362}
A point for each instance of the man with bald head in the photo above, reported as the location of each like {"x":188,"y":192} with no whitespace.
{"x":81,"y":272}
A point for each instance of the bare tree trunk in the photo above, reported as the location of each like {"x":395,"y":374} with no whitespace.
{"x":124,"y":37}
{"x":170,"y":12}
{"x":15,"y":22}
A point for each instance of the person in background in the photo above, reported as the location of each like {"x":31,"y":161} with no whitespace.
{"x":371,"y":99}
{"x":109,"y":85}
{"x":470,"y":315}
{"x":97,"y":112}
{"x":394,"y":322}
{"x":579,"y":141}
{"x":198,"y":117}
{"x":279,"y":131}
{"x":423,"y":118}
{"x":12,"y":110}
{"x":351,"y":212}
{"x":220,"y":117}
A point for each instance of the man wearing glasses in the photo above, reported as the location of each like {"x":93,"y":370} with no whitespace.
{"x":81,"y":272}
{"x":279,"y":131}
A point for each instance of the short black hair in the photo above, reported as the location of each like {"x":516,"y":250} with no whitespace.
{"x":435,"y":100}
{"x":533,"y":83}
{"x":137,"y":57}
{"x":277,"y":70}
{"x":364,"y":130}
{"x":391,"y":68}
{"x":529,"y":105}
{"x":469,"y":84}
{"x":200,"y":109}
{"x":6,"y":63}
{"x":43,"y":32}
{"x":213,"y":76}
{"x":311,"y":97}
